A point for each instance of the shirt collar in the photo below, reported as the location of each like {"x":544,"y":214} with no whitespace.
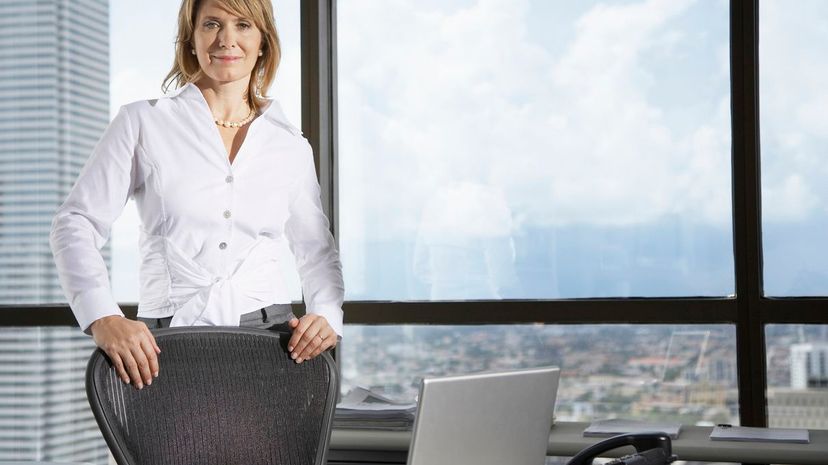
{"x":272,"y":109}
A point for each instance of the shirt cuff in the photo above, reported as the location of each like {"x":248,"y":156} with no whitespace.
{"x":92,"y":305}
{"x":333,"y":314}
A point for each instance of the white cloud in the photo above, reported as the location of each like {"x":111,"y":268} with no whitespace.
{"x":575,"y":137}
{"x":791,"y":199}
{"x":793,"y":95}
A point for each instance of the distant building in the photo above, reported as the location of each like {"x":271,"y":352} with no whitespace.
{"x":721,"y":369}
{"x":809,"y":365}
{"x":54,"y":106}
{"x":796,"y":408}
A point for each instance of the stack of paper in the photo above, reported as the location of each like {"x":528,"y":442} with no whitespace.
{"x":745,"y":433}
{"x":616,"y":426}
{"x":364,"y":409}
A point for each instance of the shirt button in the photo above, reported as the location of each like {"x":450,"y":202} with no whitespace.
{"x":215,"y":280}
{"x":222,"y":245}
{"x":228,"y":179}
{"x":227,"y":213}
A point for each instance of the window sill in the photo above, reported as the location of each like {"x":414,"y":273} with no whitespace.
{"x":566,"y":439}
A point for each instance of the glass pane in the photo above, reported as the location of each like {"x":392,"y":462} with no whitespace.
{"x":797,"y":376}
{"x":52,"y":111}
{"x":45,"y":415}
{"x":538,"y":149}
{"x":640,"y":371}
{"x":794,"y":137}
{"x":140,"y":64}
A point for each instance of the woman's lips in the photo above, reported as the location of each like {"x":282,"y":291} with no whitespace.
{"x":227,"y":59}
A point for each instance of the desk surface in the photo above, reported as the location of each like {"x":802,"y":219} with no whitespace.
{"x":566,"y":439}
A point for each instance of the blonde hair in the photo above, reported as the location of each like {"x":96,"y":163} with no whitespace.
{"x":186,"y":69}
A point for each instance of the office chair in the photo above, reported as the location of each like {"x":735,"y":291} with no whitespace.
{"x":224,"y":396}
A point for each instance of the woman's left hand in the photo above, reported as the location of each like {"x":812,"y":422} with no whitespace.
{"x":312,"y":335}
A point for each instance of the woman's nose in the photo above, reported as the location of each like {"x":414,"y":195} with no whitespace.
{"x":226,"y":38}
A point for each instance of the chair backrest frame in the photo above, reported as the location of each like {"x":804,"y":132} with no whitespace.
{"x":108,"y":428}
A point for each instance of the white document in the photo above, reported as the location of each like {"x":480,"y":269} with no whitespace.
{"x":746,"y":433}
{"x":615,"y":426}
{"x":364,"y":409}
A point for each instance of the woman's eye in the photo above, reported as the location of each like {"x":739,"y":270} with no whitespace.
{"x":244,"y":25}
{"x":211,"y":25}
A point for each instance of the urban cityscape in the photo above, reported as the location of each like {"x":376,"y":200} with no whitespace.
{"x":655,"y":372}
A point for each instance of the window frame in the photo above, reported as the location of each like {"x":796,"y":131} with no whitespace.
{"x":749,"y":310}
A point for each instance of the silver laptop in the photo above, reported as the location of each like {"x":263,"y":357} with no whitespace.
{"x":485,"y":419}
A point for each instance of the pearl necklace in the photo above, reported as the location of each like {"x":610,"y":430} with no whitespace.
{"x":237,"y":124}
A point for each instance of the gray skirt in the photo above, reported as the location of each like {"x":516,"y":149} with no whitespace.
{"x":276,"y":314}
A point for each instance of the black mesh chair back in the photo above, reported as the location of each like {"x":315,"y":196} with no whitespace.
{"x":224,"y":396}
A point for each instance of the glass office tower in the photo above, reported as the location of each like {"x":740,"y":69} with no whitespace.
{"x":54,"y":105}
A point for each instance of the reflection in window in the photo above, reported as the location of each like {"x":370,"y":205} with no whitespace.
{"x":687,"y":373}
{"x":539,"y":149}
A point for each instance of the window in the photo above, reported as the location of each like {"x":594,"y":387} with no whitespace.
{"x":539,"y":151}
{"x":646,"y":371}
{"x":601,"y":237}
{"x":794,"y":137}
{"x":492,"y":150}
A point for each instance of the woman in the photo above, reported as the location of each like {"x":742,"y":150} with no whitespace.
{"x":220,"y":178}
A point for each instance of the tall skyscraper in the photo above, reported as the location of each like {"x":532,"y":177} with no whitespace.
{"x":54,"y":106}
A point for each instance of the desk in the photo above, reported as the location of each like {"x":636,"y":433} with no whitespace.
{"x":566,"y":439}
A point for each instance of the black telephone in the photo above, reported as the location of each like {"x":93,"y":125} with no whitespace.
{"x":650,"y":448}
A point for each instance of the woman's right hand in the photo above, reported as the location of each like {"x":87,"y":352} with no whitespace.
{"x":131,"y":347}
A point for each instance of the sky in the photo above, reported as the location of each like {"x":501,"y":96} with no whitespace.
{"x":467,"y":125}
{"x":473,"y":104}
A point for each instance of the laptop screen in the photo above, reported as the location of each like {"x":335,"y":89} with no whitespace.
{"x":485,"y":419}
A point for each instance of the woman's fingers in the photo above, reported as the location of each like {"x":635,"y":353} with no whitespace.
{"x":311,"y":336}
{"x":326,"y":344}
{"x":298,"y":326}
{"x":152,"y":360}
{"x":154,"y":344}
{"x":299,"y":329}
{"x":310,"y":328}
{"x":131,"y":367}
{"x":130,"y":346}
{"x":313,"y":344}
{"x":119,"y":367}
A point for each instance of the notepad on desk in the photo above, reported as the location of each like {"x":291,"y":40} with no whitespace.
{"x":750,"y":434}
{"x":615,"y":426}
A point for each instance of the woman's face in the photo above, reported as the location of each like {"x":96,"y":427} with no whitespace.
{"x":226,"y":45}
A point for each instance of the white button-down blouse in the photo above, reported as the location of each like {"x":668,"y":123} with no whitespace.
{"x":210,"y":230}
